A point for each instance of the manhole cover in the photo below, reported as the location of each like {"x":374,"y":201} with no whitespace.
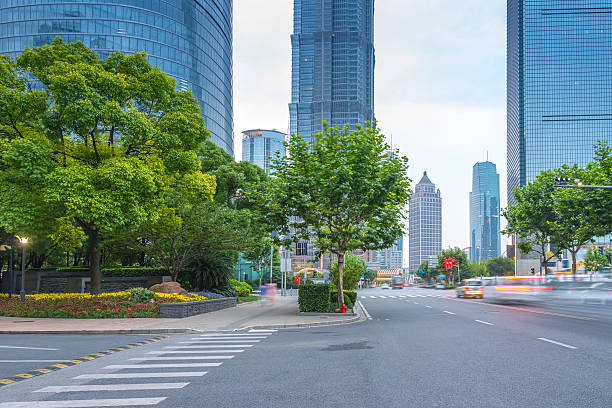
{"x":362,"y":345}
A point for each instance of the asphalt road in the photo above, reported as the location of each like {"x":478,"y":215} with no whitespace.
{"x":421,"y":348}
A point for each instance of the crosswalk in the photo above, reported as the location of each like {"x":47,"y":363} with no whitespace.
{"x":205,"y":351}
{"x":402,"y":296}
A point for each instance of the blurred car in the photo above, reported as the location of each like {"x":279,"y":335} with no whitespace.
{"x":440,"y":285}
{"x":470,"y":288}
{"x":429,"y":286}
{"x":384,"y":286}
{"x":422,"y":285}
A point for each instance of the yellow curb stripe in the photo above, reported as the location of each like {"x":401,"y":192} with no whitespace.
{"x":24,"y":375}
{"x":43,"y":370}
{"x":87,"y":358}
{"x":6,"y":381}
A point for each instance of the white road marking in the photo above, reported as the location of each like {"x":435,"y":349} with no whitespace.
{"x":416,"y":303}
{"x":262,"y":330}
{"x":176,"y":365}
{"x":31,"y":361}
{"x":383,"y":297}
{"x":393,"y":297}
{"x":195,"y":351}
{"x":386,"y":319}
{"x":235,"y":336}
{"x":209,"y":338}
{"x":113,"y":387}
{"x":365,"y":311}
{"x":223,"y":340}
{"x":557,"y":343}
{"x":141,"y":375}
{"x":29,"y":348}
{"x":364,"y":297}
{"x":446,"y":311}
{"x":428,"y":307}
{"x":207,"y":346}
{"x":373,"y":297}
{"x":181,"y":358}
{"x":483,"y":322}
{"x":122,"y":402}
{"x":402,"y":296}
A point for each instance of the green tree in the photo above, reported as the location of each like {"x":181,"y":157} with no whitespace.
{"x":595,"y":260}
{"x":370,"y":275}
{"x":344,"y":190}
{"x":500,"y":266}
{"x":354,"y":267}
{"x":460,"y":263}
{"x":479,"y":268}
{"x":98,"y":146}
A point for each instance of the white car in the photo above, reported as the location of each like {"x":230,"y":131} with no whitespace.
{"x":384,"y":286}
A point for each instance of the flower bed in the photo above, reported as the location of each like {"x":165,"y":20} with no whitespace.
{"x":86,"y":306}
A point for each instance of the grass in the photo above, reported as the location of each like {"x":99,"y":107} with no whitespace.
{"x":250,"y":298}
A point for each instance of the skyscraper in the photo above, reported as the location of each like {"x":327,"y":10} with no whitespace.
{"x":484,"y":212}
{"x":332,"y":64}
{"x":425,"y":223}
{"x":391,"y":258}
{"x":559,"y":79}
{"x":259,"y":146}
{"x":190,"y":40}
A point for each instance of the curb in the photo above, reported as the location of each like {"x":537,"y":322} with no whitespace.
{"x":359,"y":316}
{"x":69,"y":363}
{"x":110,"y":331}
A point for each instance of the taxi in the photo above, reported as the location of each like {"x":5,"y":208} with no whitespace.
{"x":470,"y":288}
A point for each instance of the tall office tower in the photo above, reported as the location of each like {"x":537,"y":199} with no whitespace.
{"x":425,"y":223}
{"x":391,"y":258}
{"x":484,"y":212}
{"x":559,"y":84}
{"x":260,"y":146}
{"x":332,"y":64}
{"x":190,"y":40}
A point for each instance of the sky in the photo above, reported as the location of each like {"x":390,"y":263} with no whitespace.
{"x":440,"y":88}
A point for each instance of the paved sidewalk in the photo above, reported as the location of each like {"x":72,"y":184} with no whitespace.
{"x":282,"y":312}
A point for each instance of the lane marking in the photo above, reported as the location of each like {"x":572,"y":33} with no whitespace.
{"x":195,"y":351}
{"x":365,"y":311}
{"x":392,"y":297}
{"x":181,"y":358}
{"x":123,"y":402}
{"x":112,"y":387}
{"x":29,"y":348}
{"x":31,"y":361}
{"x":557,"y":343}
{"x":428,"y":307}
{"x":224,"y":340}
{"x":373,"y":297}
{"x":524,"y":310}
{"x":364,"y":297}
{"x":262,"y":330}
{"x":383,"y":297}
{"x":416,"y":303}
{"x":237,"y":335}
{"x":141,"y":375}
{"x":208,"y":346}
{"x":175,"y":365}
{"x":230,"y":338}
{"x":483,"y":322}
{"x":446,"y":311}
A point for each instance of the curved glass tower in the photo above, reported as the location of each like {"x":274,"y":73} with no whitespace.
{"x":484,"y":212}
{"x":190,"y":40}
{"x":259,"y":146}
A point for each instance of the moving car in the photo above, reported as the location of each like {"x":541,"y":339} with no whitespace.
{"x":470,"y":288}
{"x":384,"y":286}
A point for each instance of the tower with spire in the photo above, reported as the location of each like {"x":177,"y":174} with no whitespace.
{"x":425,"y":223}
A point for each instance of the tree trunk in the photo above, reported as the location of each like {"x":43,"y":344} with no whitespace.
{"x":94,"y":261}
{"x":340,"y":284}
{"x":573,"y":262}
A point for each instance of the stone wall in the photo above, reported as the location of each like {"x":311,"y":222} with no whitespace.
{"x":186,"y":309}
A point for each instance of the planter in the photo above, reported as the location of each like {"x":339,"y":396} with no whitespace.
{"x":186,"y":309}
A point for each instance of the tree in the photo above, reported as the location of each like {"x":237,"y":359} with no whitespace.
{"x":354,"y":267}
{"x":595,"y":260}
{"x":533,"y":218}
{"x":370,"y":275}
{"x":479,"y":268}
{"x":99,"y":145}
{"x":344,"y":189}
{"x":460,"y":262}
{"x":500,"y":266}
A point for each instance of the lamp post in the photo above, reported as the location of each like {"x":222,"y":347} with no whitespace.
{"x":22,"y":294}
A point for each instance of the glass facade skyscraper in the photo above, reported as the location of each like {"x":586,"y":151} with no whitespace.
{"x":559,"y":79}
{"x":259,"y":146}
{"x":484,"y":212}
{"x":332,"y":64}
{"x":425,"y":223}
{"x":190,"y":40}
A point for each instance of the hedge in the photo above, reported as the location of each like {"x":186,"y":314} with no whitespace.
{"x":119,"y":272}
{"x":314,"y":297}
{"x":352,"y":295}
{"x":243,"y":289}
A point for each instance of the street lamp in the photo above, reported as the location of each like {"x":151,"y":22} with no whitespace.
{"x":22,"y":294}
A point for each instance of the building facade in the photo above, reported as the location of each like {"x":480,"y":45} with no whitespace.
{"x":484,"y":212}
{"x":190,"y":40}
{"x":260,"y":146}
{"x":391,"y":258}
{"x":559,"y":84}
{"x":425,"y":223}
{"x":332,"y":50}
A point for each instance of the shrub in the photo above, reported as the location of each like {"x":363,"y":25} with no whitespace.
{"x":350,"y":293}
{"x":314,"y":298}
{"x":140,"y":295}
{"x":354,"y":267}
{"x":134,"y":271}
{"x":243,"y":289}
{"x":226,"y":291}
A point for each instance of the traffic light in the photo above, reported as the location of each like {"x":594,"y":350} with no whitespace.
{"x":296,"y":280}
{"x":449,"y":263}
{"x":533,"y":271}
{"x":601,"y":250}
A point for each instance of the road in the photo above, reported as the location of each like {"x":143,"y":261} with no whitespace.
{"x":421,"y":348}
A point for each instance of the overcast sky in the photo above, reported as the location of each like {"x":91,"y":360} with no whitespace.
{"x":439,"y":88}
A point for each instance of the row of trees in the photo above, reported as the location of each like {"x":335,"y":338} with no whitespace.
{"x":498,"y":266}
{"x":548,"y":219}
{"x":106,"y":162}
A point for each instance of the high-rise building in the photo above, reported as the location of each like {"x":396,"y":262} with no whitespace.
{"x":484,"y":212}
{"x":191,"y":40}
{"x":260,"y":146}
{"x":332,"y":64}
{"x":559,"y":70}
{"x":392,"y":257}
{"x":425,"y":223}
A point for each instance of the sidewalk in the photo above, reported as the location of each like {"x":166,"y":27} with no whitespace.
{"x":282,"y":313}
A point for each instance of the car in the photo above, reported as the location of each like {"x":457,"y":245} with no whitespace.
{"x":440,"y":285}
{"x":384,"y":286}
{"x":429,"y":285}
{"x":470,"y":288}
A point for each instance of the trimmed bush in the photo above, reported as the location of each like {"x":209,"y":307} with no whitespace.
{"x":243,"y":289}
{"x":314,"y":297}
{"x":140,"y":295}
{"x":133,"y":271}
{"x":352,"y":294}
